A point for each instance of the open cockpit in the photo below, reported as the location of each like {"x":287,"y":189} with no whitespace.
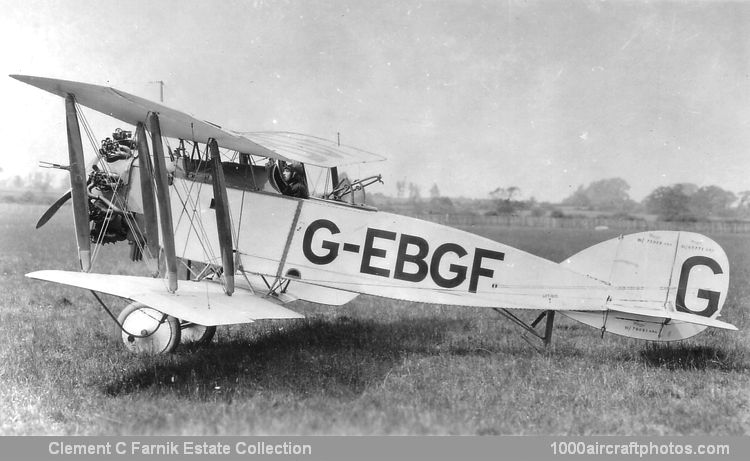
{"x":253,"y":173}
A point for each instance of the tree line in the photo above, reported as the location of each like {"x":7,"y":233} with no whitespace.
{"x":676,"y":202}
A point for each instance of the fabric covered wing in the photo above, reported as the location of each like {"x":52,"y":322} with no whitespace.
{"x":133,"y":109}
{"x":176,"y":124}
{"x":200,"y":302}
{"x":310,"y":149}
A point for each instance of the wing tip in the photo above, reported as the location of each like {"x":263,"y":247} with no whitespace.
{"x":38,"y":275}
{"x":21,"y":78}
{"x":726,"y":326}
{"x":48,"y":275}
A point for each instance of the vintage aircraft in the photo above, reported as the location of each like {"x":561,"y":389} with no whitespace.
{"x":245,"y":249}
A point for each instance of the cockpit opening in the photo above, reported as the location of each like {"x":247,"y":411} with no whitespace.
{"x":257,"y":174}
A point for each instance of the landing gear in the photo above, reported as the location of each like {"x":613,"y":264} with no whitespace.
{"x":145,"y":330}
{"x":192,"y":333}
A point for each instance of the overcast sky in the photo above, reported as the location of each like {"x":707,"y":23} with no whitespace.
{"x":469,"y":95}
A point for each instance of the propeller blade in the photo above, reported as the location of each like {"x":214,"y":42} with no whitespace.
{"x":53,"y":209}
{"x":66,"y":196}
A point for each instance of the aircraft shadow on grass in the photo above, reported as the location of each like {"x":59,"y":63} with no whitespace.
{"x":342,"y":358}
{"x":693,"y":357}
{"x":339,"y":358}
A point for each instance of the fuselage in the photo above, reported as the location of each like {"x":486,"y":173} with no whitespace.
{"x":354,"y":248}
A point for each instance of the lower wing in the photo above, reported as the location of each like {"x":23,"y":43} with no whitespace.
{"x":202,"y":302}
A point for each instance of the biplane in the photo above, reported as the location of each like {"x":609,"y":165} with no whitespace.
{"x":227,"y":245}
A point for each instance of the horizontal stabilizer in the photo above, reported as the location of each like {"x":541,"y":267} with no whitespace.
{"x":199,"y":302}
{"x":668,"y":316}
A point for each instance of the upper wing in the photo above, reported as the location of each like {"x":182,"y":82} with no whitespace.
{"x":199,"y":302}
{"x":310,"y":149}
{"x":133,"y":109}
{"x":176,"y":124}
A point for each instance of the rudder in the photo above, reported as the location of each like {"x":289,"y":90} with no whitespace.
{"x":655,"y":274}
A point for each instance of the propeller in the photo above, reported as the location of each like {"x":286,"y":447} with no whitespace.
{"x":53,"y":209}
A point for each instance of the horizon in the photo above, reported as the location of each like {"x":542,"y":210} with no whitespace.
{"x":60,"y":183}
{"x":472,"y":95}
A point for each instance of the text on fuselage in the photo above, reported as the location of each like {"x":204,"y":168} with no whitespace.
{"x":411,"y":264}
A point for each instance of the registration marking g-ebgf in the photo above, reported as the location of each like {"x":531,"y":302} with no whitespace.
{"x":412,"y":250}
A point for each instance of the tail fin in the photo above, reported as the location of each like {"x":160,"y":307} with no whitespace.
{"x":666,"y":285}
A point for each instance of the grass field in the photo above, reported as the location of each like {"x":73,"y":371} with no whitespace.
{"x":372,"y":367}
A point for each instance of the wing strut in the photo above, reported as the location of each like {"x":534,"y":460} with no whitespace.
{"x":79,"y":193}
{"x":162,"y":198}
{"x":223,"y":223}
{"x":147,"y":193}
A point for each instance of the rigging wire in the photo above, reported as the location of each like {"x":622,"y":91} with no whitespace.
{"x":139,"y":236}
{"x":191,"y":209}
{"x":191,"y":212}
{"x":82,"y":121}
{"x":117,"y":199}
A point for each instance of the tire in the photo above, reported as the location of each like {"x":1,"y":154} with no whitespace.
{"x":193,"y":333}
{"x":148,"y":331}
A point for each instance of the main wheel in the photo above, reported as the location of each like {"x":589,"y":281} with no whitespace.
{"x":145,"y":330}
{"x":197,"y":334}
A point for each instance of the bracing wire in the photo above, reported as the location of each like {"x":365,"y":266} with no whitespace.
{"x":117,"y":200}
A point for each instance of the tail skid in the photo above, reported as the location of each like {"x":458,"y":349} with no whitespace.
{"x":546,"y":337}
